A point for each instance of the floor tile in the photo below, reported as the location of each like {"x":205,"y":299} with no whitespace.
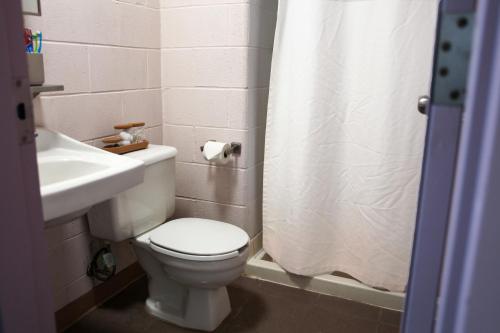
{"x":348,"y":308}
{"x":383,"y":328}
{"x":390,"y":317}
{"x":257,"y":306}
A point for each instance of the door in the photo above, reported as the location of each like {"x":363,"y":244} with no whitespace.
{"x":25,"y":292}
{"x":445,"y":250}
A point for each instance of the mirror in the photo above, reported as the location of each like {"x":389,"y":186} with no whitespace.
{"x":31,"y":7}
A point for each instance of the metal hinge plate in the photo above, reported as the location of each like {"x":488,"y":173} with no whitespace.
{"x":453,"y":49}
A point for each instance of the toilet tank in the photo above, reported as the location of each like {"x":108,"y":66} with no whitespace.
{"x":142,"y":207}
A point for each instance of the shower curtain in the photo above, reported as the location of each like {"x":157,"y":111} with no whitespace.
{"x":344,"y":141}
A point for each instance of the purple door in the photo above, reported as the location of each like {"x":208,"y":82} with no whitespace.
{"x":446,"y":251}
{"x":438,"y":170}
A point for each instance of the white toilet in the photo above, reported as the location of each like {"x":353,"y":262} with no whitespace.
{"x":189,"y":261}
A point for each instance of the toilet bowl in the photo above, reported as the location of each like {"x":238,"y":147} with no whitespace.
{"x":188,"y":261}
{"x":188,"y":275}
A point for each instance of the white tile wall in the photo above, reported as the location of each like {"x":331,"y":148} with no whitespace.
{"x":155,"y":135}
{"x":259,"y":67}
{"x":85,"y":117}
{"x":154,"y":3}
{"x":69,"y":255}
{"x":205,"y":67}
{"x":56,"y":235}
{"x":154,"y":69}
{"x":215,"y":107}
{"x":262,"y":23}
{"x":104,"y":22}
{"x":142,"y":105}
{"x":136,"y":2}
{"x":67,"y":64}
{"x":207,"y":26}
{"x":139,"y":26}
{"x":117,"y":68}
{"x":216,"y":57}
{"x":211,"y":107}
{"x":181,"y":137}
{"x":210,"y":183}
{"x":246,"y":217}
{"x":107,"y":55}
{"x":189,"y":3}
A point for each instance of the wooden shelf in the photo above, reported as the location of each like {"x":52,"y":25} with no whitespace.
{"x":36,"y":90}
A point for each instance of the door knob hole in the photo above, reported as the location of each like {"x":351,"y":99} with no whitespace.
{"x":21,"y":111}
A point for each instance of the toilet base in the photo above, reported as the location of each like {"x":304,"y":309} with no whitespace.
{"x":203,"y":309}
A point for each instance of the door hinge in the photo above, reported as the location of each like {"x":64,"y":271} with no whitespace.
{"x":453,"y":48}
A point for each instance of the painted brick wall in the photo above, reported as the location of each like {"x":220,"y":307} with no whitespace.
{"x":216,"y":57}
{"x":107,"y":55}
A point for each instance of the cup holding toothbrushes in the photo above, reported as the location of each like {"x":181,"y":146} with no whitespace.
{"x":33,"y":46}
{"x":36,"y":71}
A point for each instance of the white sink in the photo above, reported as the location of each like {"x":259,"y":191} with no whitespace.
{"x":75,"y":176}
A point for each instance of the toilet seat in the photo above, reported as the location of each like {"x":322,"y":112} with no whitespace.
{"x":198,"y":239}
{"x":191,"y":257}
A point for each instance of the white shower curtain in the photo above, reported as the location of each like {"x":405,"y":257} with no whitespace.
{"x":344,"y":141}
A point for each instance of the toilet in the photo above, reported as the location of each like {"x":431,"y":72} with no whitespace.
{"x":189,"y":261}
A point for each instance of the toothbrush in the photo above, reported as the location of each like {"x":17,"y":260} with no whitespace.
{"x":28,"y":40}
{"x":39,"y":42}
{"x":35,"y":42}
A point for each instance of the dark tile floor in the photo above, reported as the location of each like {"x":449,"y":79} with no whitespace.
{"x":258,"y":306}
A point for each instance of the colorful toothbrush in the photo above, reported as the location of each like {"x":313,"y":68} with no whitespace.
{"x":39,"y":42}
{"x":28,"y":40}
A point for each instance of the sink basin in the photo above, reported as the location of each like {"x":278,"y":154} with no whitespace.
{"x":75,"y":176}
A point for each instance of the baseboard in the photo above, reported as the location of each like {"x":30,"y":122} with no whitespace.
{"x":71,"y":313}
{"x":338,"y":286}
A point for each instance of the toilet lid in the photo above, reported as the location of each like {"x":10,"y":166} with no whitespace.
{"x":199,"y":237}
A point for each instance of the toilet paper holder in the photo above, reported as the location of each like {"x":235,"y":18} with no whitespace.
{"x":235,"y":148}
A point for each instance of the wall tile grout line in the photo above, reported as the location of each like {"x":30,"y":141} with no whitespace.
{"x":209,"y":201}
{"x":99,"y":45}
{"x":99,"y":92}
{"x":201,"y":47}
{"x":215,"y":166}
{"x":137,"y":5}
{"x":214,"y":87}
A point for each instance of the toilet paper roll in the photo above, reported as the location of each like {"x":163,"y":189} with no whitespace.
{"x":217,"y":152}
